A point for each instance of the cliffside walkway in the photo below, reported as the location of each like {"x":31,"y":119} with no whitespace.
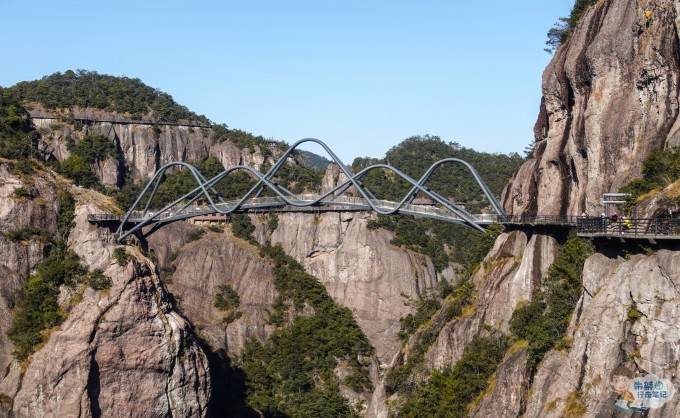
{"x":203,"y":203}
{"x":90,"y":120}
{"x":186,"y":206}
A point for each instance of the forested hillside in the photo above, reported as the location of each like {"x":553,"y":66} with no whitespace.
{"x":415,"y":155}
{"x":89,"y":89}
{"x":444,"y":243}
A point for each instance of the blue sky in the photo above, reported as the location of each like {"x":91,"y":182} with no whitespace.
{"x":361,"y":75}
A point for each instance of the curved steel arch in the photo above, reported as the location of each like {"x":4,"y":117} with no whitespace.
{"x":288,"y":198}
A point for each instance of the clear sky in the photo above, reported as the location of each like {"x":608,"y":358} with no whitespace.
{"x":361,"y":75}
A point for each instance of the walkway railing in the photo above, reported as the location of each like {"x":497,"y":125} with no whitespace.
{"x":629,"y":227}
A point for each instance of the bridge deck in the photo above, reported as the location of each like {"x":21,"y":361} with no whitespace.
{"x":587,"y":227}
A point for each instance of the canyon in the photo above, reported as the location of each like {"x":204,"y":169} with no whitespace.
{"x":155,"y":343}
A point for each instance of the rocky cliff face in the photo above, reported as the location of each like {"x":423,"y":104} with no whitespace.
{"x":123,"y":351}
{"x":194,"y":272}
{"x":359,"y":268}
{"x":38,"y":209}
{"x":142,"y":149}
{"x":610,"y":96}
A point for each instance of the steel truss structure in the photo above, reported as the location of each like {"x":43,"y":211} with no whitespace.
{"x":181,"y":208}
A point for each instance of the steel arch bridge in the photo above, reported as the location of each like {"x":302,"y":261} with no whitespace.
{"x":184,"y":207}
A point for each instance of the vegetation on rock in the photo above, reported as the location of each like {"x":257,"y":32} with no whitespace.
{"x":17,"y":136}
{"x":227,"y":300}
{"x":37,"y":308}
{"x":448,"y":392}
{"x":544,"y":320}
{"x":403,"y":378}
{"x":88,"y":89}
{"x":561,"y":31}
{"x":660,"y":169}
{"x":292,"y":373}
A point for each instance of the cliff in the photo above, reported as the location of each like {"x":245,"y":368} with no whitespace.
{"x":610,"y":96}
{"x":142,"y":148}
{"x":120,"y":351}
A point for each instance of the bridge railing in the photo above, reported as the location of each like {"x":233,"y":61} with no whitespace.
{"x":628,"y":226}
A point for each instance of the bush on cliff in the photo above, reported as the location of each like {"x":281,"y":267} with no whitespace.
{"x":17,"y":137}
{"x":561,"y":31}
{"x":544,"y":320}
{"x":292,"y":373}
{"x":660,"y":168}
{"x":37,"y":308}
{"x":448,"y":392}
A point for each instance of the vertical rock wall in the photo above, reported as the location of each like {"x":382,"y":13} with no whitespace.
{"x":610,"y":96}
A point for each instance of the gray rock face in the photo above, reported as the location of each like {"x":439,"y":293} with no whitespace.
{"x":509,"y":274}
{"x":359,"y":268}
{"x":201,"y":267}
{"x":610,"y":96}
{"x":19,"y":258}
{"x":606,"y":343}
{"x":143,"y":149}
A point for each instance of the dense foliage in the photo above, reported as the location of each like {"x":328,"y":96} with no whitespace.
{"x":37,"y":308}
{"x":443,"y":242}
{"x":660,"y":169}
{"x":17,"y":136}
{"x":116,"y":94}
{"x":448,"y":392}
{"x":453,"y":181}
{"x":228,"y":301}
{"x":544,"y":320}
{"x":560,"y":32}
{"x":84,"y":154}
{"x":291,"y":374}
{"x":403,"y":378}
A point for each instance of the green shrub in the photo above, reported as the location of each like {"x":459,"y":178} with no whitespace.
{"x":227,"y":300}
{"x":90,"y":150}
{"x":660,"y":168}
{"x":272,"y":222}
{"x":242,"y":227}
{"x":121,"y":256}
{"x":37,"y":308}
{"x":544,"y":320}
{"x":561,"y":31}
{"x":22,"y":193}
{"x":66,"y":215}
{"x":26,"y":233}
{"x":195,"y":235}
{"x":18,"y":139}
{"x":400,"y":377}
{"x":291,"y":374}
{"x":97,"y":280}
{"x":215,"y":228}
{"x":425,"y":308}
{"x":449,"y":392}
{"x":78,"y":169}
